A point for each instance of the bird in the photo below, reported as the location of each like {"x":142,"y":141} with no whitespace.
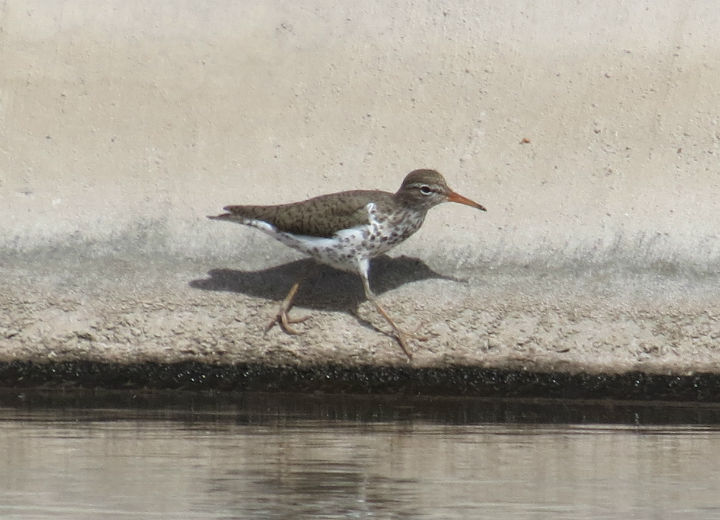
{"x":345,"y":230}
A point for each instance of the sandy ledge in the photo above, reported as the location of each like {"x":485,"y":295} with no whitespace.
{"x":158,"y":322}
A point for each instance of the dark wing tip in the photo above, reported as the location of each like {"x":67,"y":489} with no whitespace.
{"x":231,"y":211}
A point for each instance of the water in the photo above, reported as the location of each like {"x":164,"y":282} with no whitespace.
{"x":277,"y":456}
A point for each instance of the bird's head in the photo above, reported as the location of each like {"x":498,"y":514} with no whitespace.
{"x":427,"y":188}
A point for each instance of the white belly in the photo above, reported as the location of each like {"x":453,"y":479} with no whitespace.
{"x":348,"y":249}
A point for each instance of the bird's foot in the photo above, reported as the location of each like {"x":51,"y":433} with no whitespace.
{"x":414,"y":334}
{"x":401,"y":337}
{"x":283,"y":320}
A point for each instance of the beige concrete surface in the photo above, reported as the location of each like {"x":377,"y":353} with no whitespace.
{"x":591,"y":131}
{"x":165,"y":310}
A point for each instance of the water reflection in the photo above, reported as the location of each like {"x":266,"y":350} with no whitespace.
{"x":274,"y":456}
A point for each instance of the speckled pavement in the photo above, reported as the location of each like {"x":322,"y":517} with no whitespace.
{"x":167,"y":322}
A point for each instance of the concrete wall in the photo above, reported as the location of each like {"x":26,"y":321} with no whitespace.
{"x":124,"y":123}
{"x":590,"y":130}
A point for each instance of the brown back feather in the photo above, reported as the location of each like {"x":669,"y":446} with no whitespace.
{"x":320,"y":216}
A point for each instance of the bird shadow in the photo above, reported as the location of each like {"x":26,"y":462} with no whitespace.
{"x":324,"y":288}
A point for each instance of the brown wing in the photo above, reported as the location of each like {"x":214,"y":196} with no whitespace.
{"x":321,"y":216}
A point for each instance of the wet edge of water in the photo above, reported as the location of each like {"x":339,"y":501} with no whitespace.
{"x":334,"y":379}
{"x":282,"y":409}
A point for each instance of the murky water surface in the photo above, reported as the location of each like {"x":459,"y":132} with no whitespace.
{"x":277,"y":456}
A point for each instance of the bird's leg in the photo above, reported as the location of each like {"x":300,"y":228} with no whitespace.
{"x":399,"y":333}
{"x":282,"y":318}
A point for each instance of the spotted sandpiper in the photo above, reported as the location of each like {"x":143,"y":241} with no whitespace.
{"x":346,"y":229}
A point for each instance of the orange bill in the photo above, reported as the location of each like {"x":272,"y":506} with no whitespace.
{"x":456,"y":197}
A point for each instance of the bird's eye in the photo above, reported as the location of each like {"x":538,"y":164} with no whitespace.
{"x":425,"y":190}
